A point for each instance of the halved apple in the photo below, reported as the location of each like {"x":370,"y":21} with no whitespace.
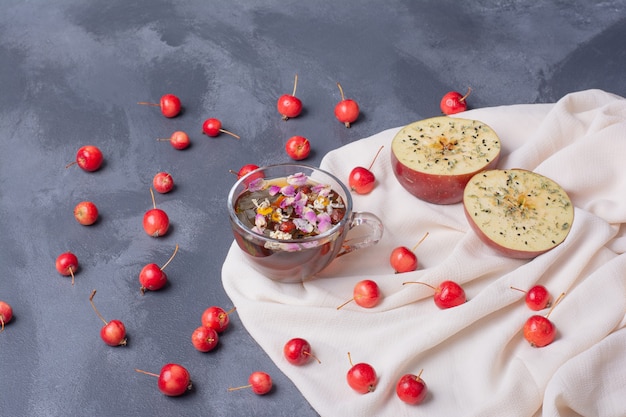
{"x":434,"y":158}
{"x":519,"y":213}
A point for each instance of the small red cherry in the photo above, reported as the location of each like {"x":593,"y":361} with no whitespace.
{"x":289,"y":106}
{"x":366,"y":294}
{"x":298,"y":148}
{"x":216,"y":318}
{"x":347,"y":110}
{"x":86,"y":213}
{"x":411,"y":388}
{"x":403,"y":259}
{"x":448,"y":294}
{"x":173,"y":380}
{"x":260,"y":382}
{"x":6,"y":314}
{"x":89,"y":158}
{"x":245,"y":170}
{"x":113,"y":333}
{"x":67,"y":264}
{"x":539,"y":331}
{"x":179,"y":140}
{"x":213,"y":127}
{"x":454,"y":102}
{"x":163,"y":182}
{"x":152,"y":277}
{"x":537,"y":298}
{"x":204,"y":339}
{"x":361,"y":377}
{"x":156,"y":223}
{"x":169,"y":104}
{"x":362,"y":180}
{"x":297,"y":351}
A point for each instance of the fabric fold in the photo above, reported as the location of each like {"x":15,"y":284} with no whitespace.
{"x":474,"y":358}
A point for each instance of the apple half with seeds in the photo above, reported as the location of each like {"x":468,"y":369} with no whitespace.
{"x":434,"y":158}
{"x":519,"y":213}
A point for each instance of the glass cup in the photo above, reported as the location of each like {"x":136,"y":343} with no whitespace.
{"x":297,"y":260}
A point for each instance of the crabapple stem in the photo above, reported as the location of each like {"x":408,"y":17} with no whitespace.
{"x":469,"y":90}
{"x":145,"y":103}
{"x":517,"y":289}
{"x":153,"y":202}
{"x":95,"y":309}
{"x":418,"y":376}
{"x":295,"y":84}
{"x":230,"y":133}
{"x":417,"y":282}
{"x":375,"y":156}
{"x":70,"y":164}
{"x":171,"y":257}
{"x":558,"y":300}
{"x":350,"y":359}
{"x":238,"y":388}
{"x":313,"y":356}
{"x":1,"y":324}
{"x":420,"y":241}
{"x":346,"y":303}
{"x":146,"y":372}
{"x":341,"y":92}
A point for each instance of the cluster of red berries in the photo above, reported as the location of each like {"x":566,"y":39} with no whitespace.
{"x":173,"y":379}
{"x":290,"y":106}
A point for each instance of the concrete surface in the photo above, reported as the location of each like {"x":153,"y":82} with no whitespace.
{"x":71,"y":73}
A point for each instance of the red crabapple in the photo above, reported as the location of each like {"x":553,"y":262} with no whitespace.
{"x":152,"y":277}
{"x":89,"y":158}
{"x":347,"y":110}
{"x":155,"y":221}
{"x":454,"y":102}
{"x":163,"y":182}
{"x":298,"y":148}
{"x":403,"y":259}
{"x":67,"y":264}
{"x":447,"y":294}
{"x":6,"y":314}
{"x":173,"y":380}
{"x":260,"y":382}
{"x":216,"y":318}
{"x":537,"y":298}
{"x":213,"y":127}
{"x":361,"y":377}
{"x":411,"y":388}
{"x":86,"y":213}
{"x":113,"y":333}
{"x":179,"y":140}
{"x":366,"y":294}
{"x":539,"y":331}
{"x":297,"y":351}
{"x":362,"y":180}
{"x":169,"y":104}
{"x":289,"y":106}
{"x":204,"y":339}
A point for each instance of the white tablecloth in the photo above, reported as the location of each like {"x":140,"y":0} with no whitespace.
{"x":474,"y":358}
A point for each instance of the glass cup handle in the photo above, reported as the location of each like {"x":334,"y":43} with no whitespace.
{"x":374,"y":232}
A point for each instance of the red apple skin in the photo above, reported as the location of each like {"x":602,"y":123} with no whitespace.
{"x":86,"y":213}
{"x":437,"y":189}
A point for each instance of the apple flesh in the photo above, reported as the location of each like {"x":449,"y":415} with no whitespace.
{"x":434,"y":158}
{"x":519,"y":213}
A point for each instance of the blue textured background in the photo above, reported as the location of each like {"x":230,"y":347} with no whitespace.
{"x":71,"y":73}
